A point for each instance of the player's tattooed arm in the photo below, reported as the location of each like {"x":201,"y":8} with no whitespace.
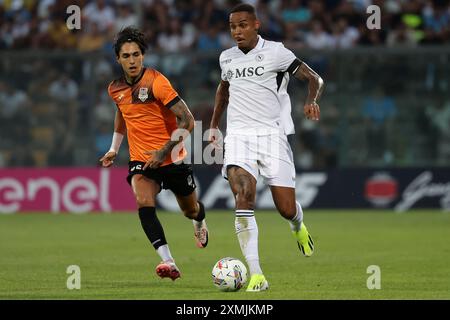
{"x":315,"y":87}
{"x":185,"y":122}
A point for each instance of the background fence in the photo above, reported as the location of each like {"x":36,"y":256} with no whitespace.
{"x":381,"y":107}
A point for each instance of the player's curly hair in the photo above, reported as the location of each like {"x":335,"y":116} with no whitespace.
{"x":130,"y":34}
{"x":244,"y":7}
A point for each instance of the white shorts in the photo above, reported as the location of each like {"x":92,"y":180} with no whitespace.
{"x":267,"y":155}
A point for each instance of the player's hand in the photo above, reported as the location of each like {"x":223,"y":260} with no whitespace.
{"x":108,"y":159}
{"x":312,"y":111}
{"x":156,"y":159}
{"x":216,"y":138}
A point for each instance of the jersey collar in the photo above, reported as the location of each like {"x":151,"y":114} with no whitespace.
{"x":137,"y":80}
{"x":259,"y":45}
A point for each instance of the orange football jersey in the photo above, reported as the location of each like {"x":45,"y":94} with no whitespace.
{"x":145,"y":107}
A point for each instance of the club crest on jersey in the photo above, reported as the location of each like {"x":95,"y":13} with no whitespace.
{"x":259,"y":57}
{"x":143,"y":94}
{"x":228,"y":75}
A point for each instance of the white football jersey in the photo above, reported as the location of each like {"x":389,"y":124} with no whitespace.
{"x":258,"y":100}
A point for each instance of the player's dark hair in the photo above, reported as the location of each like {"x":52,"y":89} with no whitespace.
{"x":244,"y":7}
{"x":130,"y":34}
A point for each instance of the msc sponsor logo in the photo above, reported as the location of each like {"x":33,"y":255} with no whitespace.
{"x":243,"y":73}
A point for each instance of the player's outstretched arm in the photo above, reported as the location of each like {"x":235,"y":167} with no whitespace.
{"x":315,"y":87}
{"x":220,"y":104}
{"x":119,"y":131}
{"x":185,"y":122}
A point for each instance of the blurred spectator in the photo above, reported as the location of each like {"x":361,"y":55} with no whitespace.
{"x":378,"y":112}
{"x":304,"y":157}
{"x":344,"y":36}
{"x":328,"y":138}
{"x":293,"y":36}
{"x":15,"y":108}
{"x":125,"y":17}
{"x":103,"y":138}
{"x":64,"y":91}
{"x":174,"y":40}
{"x":100,"y":13}
{"x":271,"y":24}
{"x":105,"y":109}
{"x":91,"y":41}
{"x":439,"y":117}
{"x":58,"y":36}
{"x":44,"y":8}
{"x":224,"y":35}
{"x":15,"y":103}
{"x":437,"y":21}
{"x":63,"y":88}
{"x":295,"y":12}
{"x":401,"y":36}
{"x":6,"y":36}
{"x":208,"y":40}
{"x":62,"y":151}
{"x":370,"y":37}
{"x":318,"y":38}
{"x":308,"y":133}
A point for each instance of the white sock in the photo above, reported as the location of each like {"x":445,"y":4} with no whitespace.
{"x":164,"y":253}
{"x":247,"y":233}
{"x":198,"y":224}
{"x":296,"y":222}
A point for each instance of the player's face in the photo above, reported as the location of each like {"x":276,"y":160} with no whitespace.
{"x":131,"y":59}
{"x":244,"y":29}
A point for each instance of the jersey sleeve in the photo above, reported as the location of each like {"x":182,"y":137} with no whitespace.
{"x":286,"y":60}
{"x":164,"y":92}
{"x":222,"y":73}
{"x":113,"y":95}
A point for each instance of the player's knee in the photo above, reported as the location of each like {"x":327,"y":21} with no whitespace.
{"x":245,"y":198}
{"x":190,"y":212}
{"x":144,"y":201}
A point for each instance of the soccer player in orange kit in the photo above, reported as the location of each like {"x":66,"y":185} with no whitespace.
{"x":148,"y":109}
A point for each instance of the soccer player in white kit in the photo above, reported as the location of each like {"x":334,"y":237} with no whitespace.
{"x":255,"y":74}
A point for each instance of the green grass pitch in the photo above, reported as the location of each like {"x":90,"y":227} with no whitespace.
{"x":117,"y":262}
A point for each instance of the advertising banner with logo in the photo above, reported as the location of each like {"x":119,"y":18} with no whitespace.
{"x":75,"y":190}
{"x":398,"y":189}
{"x":81,"y":190}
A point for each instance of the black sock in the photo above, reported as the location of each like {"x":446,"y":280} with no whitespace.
{"x":152,"y":227}
{"x":201,"y":212}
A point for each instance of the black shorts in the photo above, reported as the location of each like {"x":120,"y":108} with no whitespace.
{"x":176,"y":177}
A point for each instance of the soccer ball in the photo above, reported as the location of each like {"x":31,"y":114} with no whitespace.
{"x":229,"y":274}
